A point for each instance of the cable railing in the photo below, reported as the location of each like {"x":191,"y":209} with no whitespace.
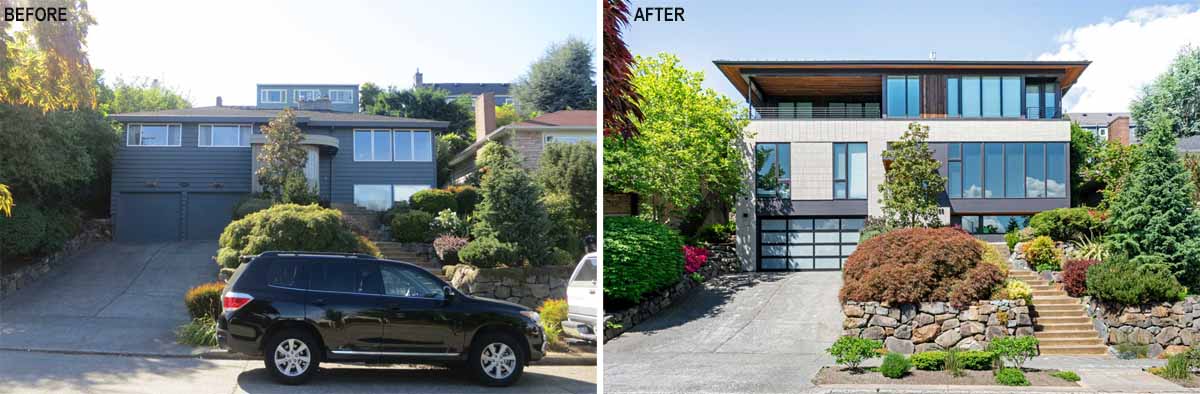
{"x":867,"y":111}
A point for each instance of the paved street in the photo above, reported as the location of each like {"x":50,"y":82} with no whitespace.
{"x":121,"y":298}
{"x":741,"y":333}
{"x":34,"y":372}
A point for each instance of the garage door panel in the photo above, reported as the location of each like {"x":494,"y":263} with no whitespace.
{"x":807,"y":243}
{"x":209,"y":213}
{"x":148,"y":217}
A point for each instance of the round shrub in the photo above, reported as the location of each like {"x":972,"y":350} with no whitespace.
{"x":467,"y":197}
{"x":639,"y":257}
{"x":852,"y":351}
{"x":1012,"y":238}
{"x":61,"y":225}
{"x":22,"y":233}
{"x":715,"y":233}
{"x":487,"y":252}
{"x":447,"y":248}
{"x":433,"y":201}
{"x":991,"y":256}
{"x":413,"y":226}
{"x":929,"y":361}
{"x":1013,"y":290}
{"x":1074,"y":276}
{"x":1011,"y":377}
{"x":918,"y":265}
{"x":556,"y":256}
{"x":1065,"y":224}
{"x":204,"y":301}
{"x":289,"y":227}
{"x":552,"y":313}
{"x":1043,"y":254}
{"x":1133,"y":281}
{"x":249,"y":206}
{"x":976,"y":360}
{"x":894,"y":366}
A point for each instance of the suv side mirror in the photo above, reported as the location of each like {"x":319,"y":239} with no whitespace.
{"x":447,"y":294}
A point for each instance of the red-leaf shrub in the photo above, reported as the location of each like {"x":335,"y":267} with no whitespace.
{"x":694,"y":257}
{"x":1074,"y":276}
{"x":919,"y":264}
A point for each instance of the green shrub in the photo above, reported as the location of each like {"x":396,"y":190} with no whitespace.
{"x":1015,"y":350}
{"x":991,"y":256}
{"x":1011,"y":377}
{"x":512,"y":212}
{"x":639,"y":257}
{"x":1066,"y":224}
{"x":1014,"y":289}
{"x":1012,"y":237}
{"x":852,"y":351}
{"x":552,"y":313}
{"x":397,"y":208}
{"x":929,"y":361}
{"x":556,"y":256}
{"x":1132,"y":282}
{"x":715,"y":233}
{"x":291,"y":227}
{"x":919,"y":265}
{"x":976,"y":360}
{"x":61,"y":225}
{"x":296,"y":191}
{"x":1043,"y":255}
{"x":413,"y":226}
{"x":250,"y":205}
{"x":433,"y":201}
{"x":448,"y":223}
{"x":22,"y":234}
{"x":204,"y":301}
{"x":1066,"y":375}
{"x":466,"y":197}
{"x":198,"y":332}
{"x":488,"y":252}
{"x":894,"y":366}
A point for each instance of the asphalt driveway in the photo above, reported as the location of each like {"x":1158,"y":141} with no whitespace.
{"x":113,"y":298}
{"x":753,"y":332}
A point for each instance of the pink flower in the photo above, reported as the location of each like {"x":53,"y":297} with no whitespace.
{"x":694,"y":257}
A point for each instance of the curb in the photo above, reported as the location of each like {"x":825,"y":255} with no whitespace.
{"x":551,"y":359}
{"x":102,"y":353}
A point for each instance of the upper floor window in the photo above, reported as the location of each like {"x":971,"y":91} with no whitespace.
{"x":983,"y":97}
{"x":306,"y":94}
{"x":1007,"y":170}
{"x":1041,"y":100}
{"x":903,"y":96}
{"x":773,"y":162}
{"x":341,"y":96}
{"x":224,"y":135}
{"x":849,"y":171}
{"x":137,"y":134}
{"x":413,"y":145}
{"x":273,"y":96}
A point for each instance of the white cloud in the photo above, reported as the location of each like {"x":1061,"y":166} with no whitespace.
{"x":1126,"y":54}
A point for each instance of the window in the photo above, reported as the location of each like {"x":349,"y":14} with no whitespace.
{"x":903,"y":96}
{"x":1033,"y":97}
{"x":401,"y":281}
{"x":306,"y":94}
{"x":403,"y":192}
{"x":226,"y":135}
{"x":1056,"y":170}
{"x":954,"y":168}
{"x":1007,"y":170}
{"x":1050,"y":100}
{"x":807,"y":243}
{"x":341,"y":96}
{"x":972,"y":183}
{"x":273,"y":96}
{"x":952,"y":98}
{"x":570,"y":139}
{"x":1010,"y":87}
{"x":1035,"y":170}
{"x":970,"y":97}
{"x":373,"y":197}
{"x":372,"y":145}
{"x":992,"y":224}
{"x":993,"y":170}
{"x":587,"y":273}
{"x":287,"y":273}
{"x":774,"y":163}
{"x":984,"y":96}
{"x":345,"y":277}
{"x":153,"y":134}
{"x":413,"y":145}
{"x":1014,"y":170}
{"x":849,"y":171}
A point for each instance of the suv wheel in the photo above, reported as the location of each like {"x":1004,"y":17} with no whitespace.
{"x":497,"y":360}
{"x":292,"y":356}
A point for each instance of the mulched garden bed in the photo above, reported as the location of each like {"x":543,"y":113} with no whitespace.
{"x":836,"y":375}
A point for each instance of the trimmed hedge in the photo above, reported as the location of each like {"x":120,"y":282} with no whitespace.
{"x":204,"y":301}
{"x":919,"y":265}
{"x":488,"y":252}
{"x":1141,"y":280}
{"x":413,"y":226}
{"x":433,"y":201}
{"x":640,"y":257}
{"x":1066,"y":224}
{"x":291,"y":227}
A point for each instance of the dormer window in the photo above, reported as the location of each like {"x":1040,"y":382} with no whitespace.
{"x":273,"y":96}
{"x":306,"y":94}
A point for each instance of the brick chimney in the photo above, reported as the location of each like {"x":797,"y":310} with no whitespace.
{"x":218,"y":101}
{"x":485,"y":115}
{"x":1118,"y":130}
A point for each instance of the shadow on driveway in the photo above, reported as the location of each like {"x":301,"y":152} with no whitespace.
{"x":414,"y":379}
{"x":707,"y":301}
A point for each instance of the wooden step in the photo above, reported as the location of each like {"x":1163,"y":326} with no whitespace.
{"x":1056,"y":327}
{"x":1064,"y":334}
{"x":1063,"y":320}
{"x":1072,"y":350}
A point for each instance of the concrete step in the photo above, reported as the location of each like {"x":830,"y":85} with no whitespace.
{"x":1042,"y":314}
{"x":1067,"y":334}
{"x":1060,"y":308}
{"x":1039,"y":301}
{"x":1049,"y":293}
{"x":1065,"y":342}
{"x":1059,"y":327}
{"x":1073,"y":350}
{"x":1047,"y":320}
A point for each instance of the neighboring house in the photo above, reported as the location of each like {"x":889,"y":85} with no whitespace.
{"x":1107,"y":126}
{"x":1189,"y":144}
{"x":455,"y":90}
{"x":996,"y":126}
{"x":528,"y":138}
{"x":178,"y":173}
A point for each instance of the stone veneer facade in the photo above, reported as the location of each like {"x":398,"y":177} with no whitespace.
{"x":1168,"y":327}
{"x":910,"y":328}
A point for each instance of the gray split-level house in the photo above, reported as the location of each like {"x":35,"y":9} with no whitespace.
{"x":996,"y":127}
{"x":178,"y":173}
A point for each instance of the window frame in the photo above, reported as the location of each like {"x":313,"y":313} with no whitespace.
{"x":787,"y":243}
{"x":129,"y":135}
{"x":846,"y":178}
{"x":1025,"y":169}
{"x":349,"y":93}
{"x":241,"y":144}
{"x":392,"y":145}
{"x":263,"y":96}
{"x":354,"y":143}
{"x":908,"y":79}
{"x":961,"y":82}
{"x":296,"y":94}
{"x":787,"y":182}
{"x":413,"y":146}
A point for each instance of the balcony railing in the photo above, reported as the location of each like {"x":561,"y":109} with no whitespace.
{"x":867,"y":111}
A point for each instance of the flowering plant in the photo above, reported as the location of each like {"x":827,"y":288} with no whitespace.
{"x":694,"y":257}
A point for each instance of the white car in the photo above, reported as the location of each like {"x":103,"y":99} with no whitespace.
{"x":583,"y":300}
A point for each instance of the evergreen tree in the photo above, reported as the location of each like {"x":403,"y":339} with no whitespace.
{"x":561,"y":79}
{"x":909,"y":193}
{"x":512,"y":212}
{"x":1155,"y":214}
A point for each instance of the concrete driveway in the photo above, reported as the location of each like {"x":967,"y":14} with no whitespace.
{"x":753,"y":332}
{"x":113,"y":298}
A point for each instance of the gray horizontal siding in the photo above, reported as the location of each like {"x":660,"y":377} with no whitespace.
{"x":170,"y":167}
{"x":347,"y":172}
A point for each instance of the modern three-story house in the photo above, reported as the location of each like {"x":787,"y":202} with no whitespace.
{"x":820,"y":129}
{"x":177,"y":174}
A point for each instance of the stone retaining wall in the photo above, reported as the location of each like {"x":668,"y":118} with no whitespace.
{"x":1164,"y":327}
{"x":528,"y":286}
{"x":722,"y":259}
{"x":92,"y":230}
{"x":909,"y":328}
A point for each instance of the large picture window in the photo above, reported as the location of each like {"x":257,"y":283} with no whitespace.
{"x":138,"y":134}
{"x":372,"y":145}
{"x":1007,"y":170}
{"x":773,"y":162}
{"x":393,"y":145}
{"x":413,"y":145}
{"x":849,"y":171}
{"x":984,"y":96}
{"x":224,"y":135}
{"x":903,"y":96}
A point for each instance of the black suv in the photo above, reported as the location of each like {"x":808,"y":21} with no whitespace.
{"x":300,"y":308}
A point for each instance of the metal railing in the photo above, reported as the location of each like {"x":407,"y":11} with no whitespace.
{"x":868,"y":111}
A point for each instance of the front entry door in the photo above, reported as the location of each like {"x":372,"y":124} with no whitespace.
{"x":417,"y":320}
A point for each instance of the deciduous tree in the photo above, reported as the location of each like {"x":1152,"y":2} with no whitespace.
{"x":620,"y":98}
{"x":1175,"y":94}
{"x":282,"y":155}
{"x":44,"y":64}
{"x":423,"y":103}
{"x":909,"y":193}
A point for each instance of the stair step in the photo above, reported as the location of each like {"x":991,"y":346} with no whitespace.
{"x":1059,"y":327}
{"x":1042,"y":314}
{"x":1061,"y":342}
{"x":1068,"y":319}
{"x":1038,"y":301}
{"x":1049,"y":293}
{"x":1064,"y":334}
{"x":1059,"y":308}
{"x":1072,"y":350}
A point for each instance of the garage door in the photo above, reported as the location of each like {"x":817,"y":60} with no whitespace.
{"x":209,"y":213}
{"x":148,"y":217}
{"x":806,"y":243}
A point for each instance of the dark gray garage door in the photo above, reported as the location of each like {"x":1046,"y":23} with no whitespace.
{"x":148,"y":217}
{"x":209,"y":213}
{"x":806,"y":243}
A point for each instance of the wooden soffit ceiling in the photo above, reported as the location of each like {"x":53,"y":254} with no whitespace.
{"x":819,"y":85}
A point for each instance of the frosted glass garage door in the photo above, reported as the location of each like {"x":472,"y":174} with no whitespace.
{"x":807,"y":243}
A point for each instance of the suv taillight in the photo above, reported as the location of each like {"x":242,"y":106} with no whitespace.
{"x":233,"y":300}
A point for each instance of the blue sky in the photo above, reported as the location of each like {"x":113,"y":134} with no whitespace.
{"x":1129,"y":42}
{"x":211,"y":48}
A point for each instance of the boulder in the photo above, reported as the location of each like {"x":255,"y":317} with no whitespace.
{"x":883,"y":321}
{"x":1173,"y":350}
{"x":969,"y":344}
{"x":933,"y":308}
{"x":925,"y":333}
{"x":923,"y":319}
{"x":1160,"y":311}
{"x":903,"y":332}
{"x":1154,"y":350}
{"x":1167,"y":336}
{"x":949,"y":325}
{"x":897,"y":345}
{"x":852,"y":311}
{"x":948,"y":338}
{"x":987,"y":309}
{"x":971,"y":328}
{"x":875,"y":333}
{"x":907,"y":312}
{"x":854,"y":322}
{"x":1024,"y":331}
{"x":995,"y":332}
{"x":926,"y":347}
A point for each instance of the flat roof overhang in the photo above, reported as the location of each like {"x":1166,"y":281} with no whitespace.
{"x":740,"y":73}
